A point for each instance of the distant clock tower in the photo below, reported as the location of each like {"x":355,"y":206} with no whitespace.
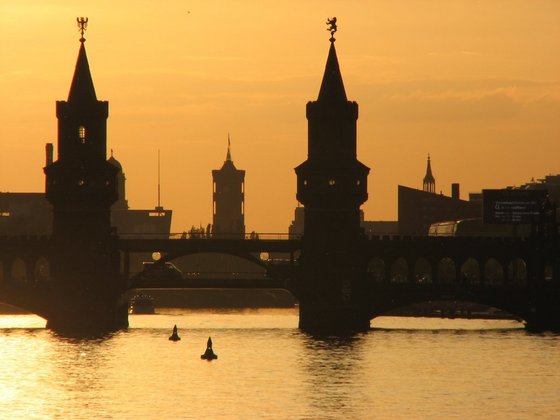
{"x":228,"y":200}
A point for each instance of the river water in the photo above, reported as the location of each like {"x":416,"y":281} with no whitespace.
{"x":268,"y":369}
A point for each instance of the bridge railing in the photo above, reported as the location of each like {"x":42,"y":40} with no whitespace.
{"x":204,"y":235}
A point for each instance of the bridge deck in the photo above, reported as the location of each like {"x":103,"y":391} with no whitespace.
{"x":209,"y":245}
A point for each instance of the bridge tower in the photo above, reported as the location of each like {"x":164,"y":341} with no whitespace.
{"x":332,"y":185}
{"x":228,"y":219}
{"x":81,"y":185}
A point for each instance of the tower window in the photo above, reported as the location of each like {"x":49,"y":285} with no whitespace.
{"x":331,"y":182}
{"x":305,"y":182}
{"x":358,"y":182}
{"x":82,"y":133}
{"x":81,"y":182}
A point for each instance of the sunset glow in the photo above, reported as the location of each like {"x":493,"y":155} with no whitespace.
{"x":474,"y":84}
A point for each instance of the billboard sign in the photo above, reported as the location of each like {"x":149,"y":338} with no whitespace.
{"x":512,"y":206}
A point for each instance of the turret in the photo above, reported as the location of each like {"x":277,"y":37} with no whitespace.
{"x":332,"y":178}
{"x":81,"y":184}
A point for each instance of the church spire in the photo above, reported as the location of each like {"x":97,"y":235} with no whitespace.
{"x":332,"y":86}
{"x":82,"y":89}
{"x":429,"y":183}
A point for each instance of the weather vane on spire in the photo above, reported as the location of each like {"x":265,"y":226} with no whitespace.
{"x":82,"y":25}
{"x":332,"y":28}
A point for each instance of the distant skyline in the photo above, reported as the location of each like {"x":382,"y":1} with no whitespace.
{"x":474,"y":84}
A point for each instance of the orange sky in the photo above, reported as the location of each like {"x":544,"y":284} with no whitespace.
{"x":474,"y":83}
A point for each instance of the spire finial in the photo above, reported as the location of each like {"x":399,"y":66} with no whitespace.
{"x":82,"y":26}
{"x":228,"y":156}
{"x":332,"y":28}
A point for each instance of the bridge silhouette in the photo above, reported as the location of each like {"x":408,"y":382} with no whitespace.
{"x":78,"y":277}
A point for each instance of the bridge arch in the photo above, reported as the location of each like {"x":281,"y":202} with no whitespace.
{"x":446,"y":270}
{"x":247,"y":256}
{"x":493,"y":272}
{"x":470,"y":272}
{"x":246,"y":267}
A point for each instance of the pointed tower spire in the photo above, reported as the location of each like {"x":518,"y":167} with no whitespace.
{"x":82,"y":88}
{"x":429,"y":182}
{"x":332,"y":86}
{"x":228,"y":155}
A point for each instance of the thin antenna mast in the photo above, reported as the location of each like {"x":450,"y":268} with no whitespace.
{"x":158,"y":208}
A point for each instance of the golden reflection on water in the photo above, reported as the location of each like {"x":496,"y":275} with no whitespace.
{"x":267,"y":368}
{"x":21,"y":321}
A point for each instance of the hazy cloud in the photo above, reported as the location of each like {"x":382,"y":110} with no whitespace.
{"x":446,"y":100}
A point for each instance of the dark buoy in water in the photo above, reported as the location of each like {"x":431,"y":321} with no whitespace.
{"x":209,"y":353}
{"x":174,"y":336}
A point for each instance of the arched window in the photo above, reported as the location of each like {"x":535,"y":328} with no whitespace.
{"x":422,"y":271}
{"x":399,"y":271}
{"x":470,"y":272}
{"x":82,"y":134}
{"x":517,"y":272}
{"x":493,"y":272}
{"x":548,"y":272}
{"x":376,"y":269}
{"x":42,"y":270}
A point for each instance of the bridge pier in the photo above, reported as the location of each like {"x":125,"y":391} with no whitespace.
{"x":86,"y":315}
{"x":544,"y":311}
{"x":326,"y":318}
{"x":86,"y":293}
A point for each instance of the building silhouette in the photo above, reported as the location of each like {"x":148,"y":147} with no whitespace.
{"x":228,"y":199}
{"x":148,"y":223}
{"x":418,"y":209}
{"x":25,"y":213}
{"x":122,"y":202}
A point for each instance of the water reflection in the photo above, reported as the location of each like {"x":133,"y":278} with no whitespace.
{"x":332,"y":367}
{"x":408,"y":368}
